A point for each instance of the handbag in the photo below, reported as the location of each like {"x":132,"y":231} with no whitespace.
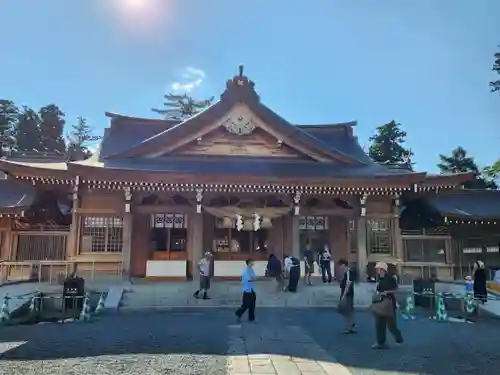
{"x":341,"y":307}
{"x":382,"y":307}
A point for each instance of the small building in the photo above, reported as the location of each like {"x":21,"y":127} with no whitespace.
{"x":236,"y":179}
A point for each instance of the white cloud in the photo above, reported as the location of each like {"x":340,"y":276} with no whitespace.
{"x":191,"y":78}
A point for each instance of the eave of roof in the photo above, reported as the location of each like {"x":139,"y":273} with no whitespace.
{"x":15,"y":197}
{"x":468,"y":204}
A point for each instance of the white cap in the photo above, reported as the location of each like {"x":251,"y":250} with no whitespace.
{"x":382,"y":265}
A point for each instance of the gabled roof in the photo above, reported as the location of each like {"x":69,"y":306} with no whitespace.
{"x":129,"y":139}
{"x":238,"y":90}
{"x":468,"y":204}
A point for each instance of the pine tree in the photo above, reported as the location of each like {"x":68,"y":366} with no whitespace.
{"x":387,"y":145}
{"x":51,"y":128}
{"x":78,"y":139}
{"x":495,"y":85}
{"x":460,"y":162}
{"x":27,"y":131}
{"x":8,"y":118}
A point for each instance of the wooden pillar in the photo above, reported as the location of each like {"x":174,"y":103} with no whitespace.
{"x":362,"y":259}
{"x":397,"y":239}
{"x":73,"y":240}
{"x":127,"y":233}
{"x":295,"y":237}
{"x":127,"y":242}
{"x":195,"y":235}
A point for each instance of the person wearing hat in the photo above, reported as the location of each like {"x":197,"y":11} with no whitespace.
{"x":386,"y":287}
{"x":204,"y":267}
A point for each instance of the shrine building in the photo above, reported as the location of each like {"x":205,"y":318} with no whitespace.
{"x":236,"y":179}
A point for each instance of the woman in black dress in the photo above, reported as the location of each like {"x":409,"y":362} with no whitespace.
{"x":480,"y":284}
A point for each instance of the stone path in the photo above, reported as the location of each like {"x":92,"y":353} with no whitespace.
{"x":304,"y":356}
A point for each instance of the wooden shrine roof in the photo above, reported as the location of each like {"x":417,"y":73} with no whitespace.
{"x":133,"y":149}
{"x":468,"y":204}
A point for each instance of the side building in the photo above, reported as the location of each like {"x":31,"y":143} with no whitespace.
{"x":236,"y":179}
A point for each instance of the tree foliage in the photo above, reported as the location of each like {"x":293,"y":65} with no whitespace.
{"x":79,"y":139}
{"x":387,"y":145}
{"x":495,"y":85}
{"x":493,"y":171}
{"x":9,"y":114}
{"x":460,"y":162}
{"x":27,"y":131}
{"x":51,"y":128}
{"x":182,"y":107}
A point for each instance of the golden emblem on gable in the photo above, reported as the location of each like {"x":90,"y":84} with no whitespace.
{"x":240,"y":125}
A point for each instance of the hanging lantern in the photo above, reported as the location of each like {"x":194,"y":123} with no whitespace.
{"x":248,"y":225}
{"x":266,"y":223}
{"x":227,"y":222}
{"x":239,"y":222}
{"x":256,"y":221}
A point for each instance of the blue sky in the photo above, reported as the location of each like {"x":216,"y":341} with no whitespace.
{"x":424,"y":63}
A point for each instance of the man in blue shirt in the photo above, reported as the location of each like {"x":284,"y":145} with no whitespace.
{"x":249,"y":297}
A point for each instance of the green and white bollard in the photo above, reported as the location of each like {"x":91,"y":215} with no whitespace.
{"x":100,"y":305}
{"x":441,"y":313}
{"x":85,"y":313}
{"x":409,"y":312}
{"x":4,"y":310}
{"x":470,"y":304}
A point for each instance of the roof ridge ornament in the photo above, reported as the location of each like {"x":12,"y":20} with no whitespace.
{"x":240,"y":88}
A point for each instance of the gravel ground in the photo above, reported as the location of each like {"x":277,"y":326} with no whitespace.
{"x":195,"y":342}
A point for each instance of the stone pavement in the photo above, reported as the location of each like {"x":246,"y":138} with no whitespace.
{"x":228,"y":294}
{"x":291,"y":351}
{"x":209,"y":342}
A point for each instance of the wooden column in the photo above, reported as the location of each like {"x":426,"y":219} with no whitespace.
{"x":295,"y":236}
{"x":127,"y":233}
{"x":195,"y":244}
{"x":362,"y":240}
{"x":73,"y":240}
{"x":397,"y":240}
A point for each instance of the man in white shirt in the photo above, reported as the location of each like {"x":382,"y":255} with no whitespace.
{"x":204,"y":266}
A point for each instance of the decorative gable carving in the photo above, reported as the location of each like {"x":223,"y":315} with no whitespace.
{"x":223,"y":142}
{"x":239,"y":132}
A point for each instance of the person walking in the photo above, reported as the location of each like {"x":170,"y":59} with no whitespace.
{"x":309,"y":264}
{"x":325,"y":263}
{"x":385,"y":318}
{"x":480,"y":285}
{"x":249,"y":297}
{"x":204,"y":266}
{"x":275,"y":271}
{"x":346,"y":303}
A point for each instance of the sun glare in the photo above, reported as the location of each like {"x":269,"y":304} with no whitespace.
{"x":139,"y":17}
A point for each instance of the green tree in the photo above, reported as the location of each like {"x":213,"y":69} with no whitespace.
{"x":493,"y":171}
{"x":387,"y":145}
{"x":27,"y":131}
{"x":51,"y":128}
{"x":79,"y":139}
{"x":460,"y":162}
{"x":495,"y":85}
{"x":9,"y":114}
{"x":182,"y":107}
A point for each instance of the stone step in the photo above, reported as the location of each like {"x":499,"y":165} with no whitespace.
{"x":228,"y":294}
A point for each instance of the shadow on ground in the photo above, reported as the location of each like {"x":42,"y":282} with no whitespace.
{"x":431,"y":348}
